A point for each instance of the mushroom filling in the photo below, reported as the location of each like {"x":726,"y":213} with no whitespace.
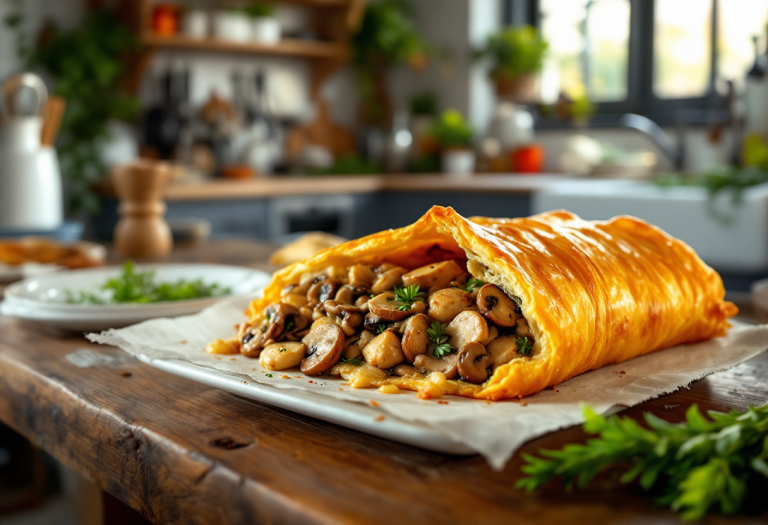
{"x":436,"y":318}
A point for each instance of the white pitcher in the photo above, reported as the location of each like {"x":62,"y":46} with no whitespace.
{"x":30,"y":179}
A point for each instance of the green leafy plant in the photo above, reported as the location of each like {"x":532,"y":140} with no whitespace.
{"x":438,"y":337}
{"x":513,"y":52}
{"x":698,"y":466}
{"x":85,"y":65}
{"x":451,"y":131}
{"x":424,"y":103}
{"x":386,"y":37}
{"x":140,"y":287}
{"x":472,"y":284}
{"x":259,"y":10}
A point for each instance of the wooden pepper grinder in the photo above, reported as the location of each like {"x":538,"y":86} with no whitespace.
{"x":142,"y":232}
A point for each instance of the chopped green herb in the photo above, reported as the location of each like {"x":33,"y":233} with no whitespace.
{"x":140,"y":287}
{"x":289,"y":326}
{"x":380,"y":328}
{"x":701,"y":465}
{"x":437,"y":335}
{"x":472,"y":284}
{"x":352,"y":361}
{"x":524,"y":346}
{"x":283,"y":350}
{"x":269,"y":375}
{"x":371,"y":296}
{"x":353,"y":343}
{"x":407,"y":295}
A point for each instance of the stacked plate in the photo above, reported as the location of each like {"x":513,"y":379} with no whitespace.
{"x":44,"y":298}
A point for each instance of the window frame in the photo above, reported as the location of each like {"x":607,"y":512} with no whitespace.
{"x":706,"y":109}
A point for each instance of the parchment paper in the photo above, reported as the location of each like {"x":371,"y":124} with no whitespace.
{"x":494,"y":430}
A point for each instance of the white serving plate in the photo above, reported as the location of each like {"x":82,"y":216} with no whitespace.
{"x":11,"y":273}
{"x":42,"y":299}
{"x":351,"y":415}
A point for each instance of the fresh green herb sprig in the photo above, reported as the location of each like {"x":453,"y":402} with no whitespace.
{"x":356,"y":361}
{"x":408,"y":295}
{"x":698,"y":466}
{"x":524,"y":346}
{"x":472,"y":284}
{"x":381,"y":328}
{"x":140,"y":287}
{"x":437,"y":335}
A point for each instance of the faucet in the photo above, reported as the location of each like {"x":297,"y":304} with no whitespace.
{"x":675,"y":152}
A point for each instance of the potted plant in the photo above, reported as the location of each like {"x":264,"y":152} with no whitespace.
{"x":264,"y":25}
{"x":232,"y":24}
{"x":454,"y":137}
{"x":423,"y":111}
{"x":386,"y":37}
{"x":516,"y":55}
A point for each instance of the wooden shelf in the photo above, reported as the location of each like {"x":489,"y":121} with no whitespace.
{"x":286,"y":47}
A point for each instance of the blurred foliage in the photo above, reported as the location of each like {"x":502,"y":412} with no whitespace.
{"x":424,"y":104}
{"x":386,"y":37}
{"x":352,"y":164}
{"x":85,"y":65}
{"x":259,"y":10}
{"x":425,"y":164}
{"x":514,"y":51}
{"x":452,"y":131}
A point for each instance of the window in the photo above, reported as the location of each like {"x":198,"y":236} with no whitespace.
{"x":667,"y":59}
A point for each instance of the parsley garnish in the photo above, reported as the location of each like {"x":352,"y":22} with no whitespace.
{"x":524,"y":346}
{"x":372,"y":296}
{"x":283,"y":350}
{"x":141,"y":287}
{"x":698,"y":466}
{"x":472,"y":284}
{"x":269,"y":375}
{"x":352,"y":361}
{"x":437,"y":335}
{"x":380,"y":328}
{"x":408,"y":295}
{"x":289,"y":326}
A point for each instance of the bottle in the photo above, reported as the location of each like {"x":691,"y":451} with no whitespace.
{"x":756,"y":95}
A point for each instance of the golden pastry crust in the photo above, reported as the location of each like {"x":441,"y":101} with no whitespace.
{"x":593,"y":293}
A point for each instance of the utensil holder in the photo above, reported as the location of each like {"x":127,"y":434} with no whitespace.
{"x":141,"y":232}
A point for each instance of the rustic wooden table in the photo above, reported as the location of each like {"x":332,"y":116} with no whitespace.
{"x":180,"y":452}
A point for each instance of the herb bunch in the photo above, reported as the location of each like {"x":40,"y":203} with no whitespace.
{"x":438,"y":337}
{"x":140,"y":287}
{"x":697,"y":466}
{"x":524,"y":345}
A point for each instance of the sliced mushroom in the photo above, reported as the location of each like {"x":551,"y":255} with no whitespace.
{"x":522,"y":328}
{"x":474,"y":362}
{"x":362,"y":302}
{"x":502,"y":351}
{"x":447,"y":365}
{"x":387,"y":280}
{"x":338,"y":273}
{"x":325,"y":343}
{"x":299,"y":289}
{"x":436,"y":275}
{"x":446,"y":304}
{"x":283,"y":318}
{"x":361,"y":275}
{"x":384,"y":351}
{"x":349,"y":317}
{"x":406,"y":371}
{"x":415,"y":338}
{"x":308,"y":279}
{"x":467,"y":327}
{"x":496,"y":306}
{"x":280,"y":356}
{"x":386,"y":307}
{"x":371,"y":322}
{"x":345,"y":294}
{"x":323,"y":290}
{"x":477,"y":270}
{"x":252,"y":341}
{"x":357,"y":343}
{"x":385,"y":267}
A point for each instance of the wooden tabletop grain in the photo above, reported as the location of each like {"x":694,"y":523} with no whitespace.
{"x":180,"y":452}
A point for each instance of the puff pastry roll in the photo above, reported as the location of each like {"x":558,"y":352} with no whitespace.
{"x":484,"y":308}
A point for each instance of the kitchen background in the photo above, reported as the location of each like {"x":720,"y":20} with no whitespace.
{"x":303,"y":115}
